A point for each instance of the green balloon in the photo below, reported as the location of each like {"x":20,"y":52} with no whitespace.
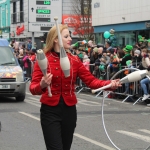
{"x":106,"y":34}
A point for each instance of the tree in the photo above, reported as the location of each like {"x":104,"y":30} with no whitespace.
{"x":81,"y":19}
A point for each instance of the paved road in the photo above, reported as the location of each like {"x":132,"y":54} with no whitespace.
{"x":127,"y":125}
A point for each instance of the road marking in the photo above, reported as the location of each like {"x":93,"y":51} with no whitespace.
{"x":32,"y":98}
{"x":93,"y":142}
{"x":36,"y":102}
{"x":135,"y":135}
{"x":88,"y":103}
{"x":89,"y":116}
{"x":29,"y":115}
{"x":75,"y":134}
{"x":33,"y":95}
{"x":83,"y":100}
{"x":145,"y":131}
{"x":33,"y":104}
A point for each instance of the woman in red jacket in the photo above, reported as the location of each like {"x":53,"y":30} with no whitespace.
{"x":58,"y":113}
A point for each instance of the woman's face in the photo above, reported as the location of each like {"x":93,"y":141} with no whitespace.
{"x":66,"y":39}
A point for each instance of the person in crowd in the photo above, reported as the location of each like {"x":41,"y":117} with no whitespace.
{"x":29,"y":45}
{"x":79,"y":54}
{"x":20,"y":58}
{"x":105,"y":56}
{"x":108,"y":47}
{"x":136,"y":58}
{"x":104,"y":61}
{"x":99,"y":52}
{"x":12,"y":44}
{"x":115,"y":58}
{"x":16,"y":49}
{"x":148,"y":44}
{"x":127,"y":50}
{"x":92,"y":55}
{"x":146,"y":65}
{"x":113,"y":39}
{"x":27,"y":64}
{"x":58,"y":113}
{"x":94,"y":58}
{"x":32,"y":58}
{"x":86,"y":62}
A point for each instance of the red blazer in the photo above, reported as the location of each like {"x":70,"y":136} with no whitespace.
{"x":60,"y":85}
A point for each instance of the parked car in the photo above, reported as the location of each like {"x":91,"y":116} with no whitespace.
{"x":12,"y":83}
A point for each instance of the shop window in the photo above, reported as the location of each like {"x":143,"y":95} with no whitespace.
{"x":125,"y":38}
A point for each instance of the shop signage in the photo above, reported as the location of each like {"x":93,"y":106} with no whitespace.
{"x":78,"y":24}
{"x":71,"y":20}
{"x":147,"y":24}
{"x":19,"y":29}
{"x":42,"y":13}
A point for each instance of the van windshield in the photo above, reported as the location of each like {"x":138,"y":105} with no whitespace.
{"x":6,"y":56}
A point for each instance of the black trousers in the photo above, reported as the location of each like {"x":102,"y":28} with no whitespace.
{"x":58,"y":125}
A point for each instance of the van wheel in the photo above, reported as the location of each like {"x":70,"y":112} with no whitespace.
{"x":20,"y":98}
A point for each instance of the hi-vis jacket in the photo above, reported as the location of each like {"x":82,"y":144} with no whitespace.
{"x":60,"y":85}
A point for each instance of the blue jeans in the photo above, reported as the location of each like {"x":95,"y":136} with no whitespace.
{"x":143,"y":83}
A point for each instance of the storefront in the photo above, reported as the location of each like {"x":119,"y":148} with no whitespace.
{"x":125,"y":33}
{"x":127,"y":18}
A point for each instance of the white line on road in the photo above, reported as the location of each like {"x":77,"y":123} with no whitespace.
{"x":35,"y":99}
{"x":31,"y":116}
{"x":89,"y":116}
{"x":32,"y":103}
{"x":33,"y":95}
{"x":75,"y":134}
{"x":85,"y":103}
{"x":135,"y":135}
{"x":145,"y":131}
{"x":93,"y":142}
{"x":83,"y":100}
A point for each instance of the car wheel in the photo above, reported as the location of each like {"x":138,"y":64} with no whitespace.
{"x":20,"y":98}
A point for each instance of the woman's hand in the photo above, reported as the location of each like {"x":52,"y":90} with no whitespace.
{"x":46,"y":80}
{"x":115,"y":84}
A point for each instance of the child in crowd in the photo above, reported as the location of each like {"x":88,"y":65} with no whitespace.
{"x":86,"y":62}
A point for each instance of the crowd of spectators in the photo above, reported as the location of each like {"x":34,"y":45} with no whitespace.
{"x":97,"y":58}
{"x":25,"y":55}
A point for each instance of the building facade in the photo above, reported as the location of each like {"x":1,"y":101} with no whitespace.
{"x":19,"y":16}
{"x":5,"y":19}
{"x":19,"y":22}
{"x":128,"y":18}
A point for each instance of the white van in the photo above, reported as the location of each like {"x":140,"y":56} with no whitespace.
{"x":12,"y":82}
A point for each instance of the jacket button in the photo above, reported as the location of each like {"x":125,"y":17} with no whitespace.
{"x":65,"y":93}
{"x":55,"y":60}
{"x":56,"y":68}
{"x":56,"y":76}
{"x":66,"y":85}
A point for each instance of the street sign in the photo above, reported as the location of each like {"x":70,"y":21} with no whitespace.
{"x":42,"y":13}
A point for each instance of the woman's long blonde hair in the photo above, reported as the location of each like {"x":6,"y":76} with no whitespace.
{"x":52,"y":35}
